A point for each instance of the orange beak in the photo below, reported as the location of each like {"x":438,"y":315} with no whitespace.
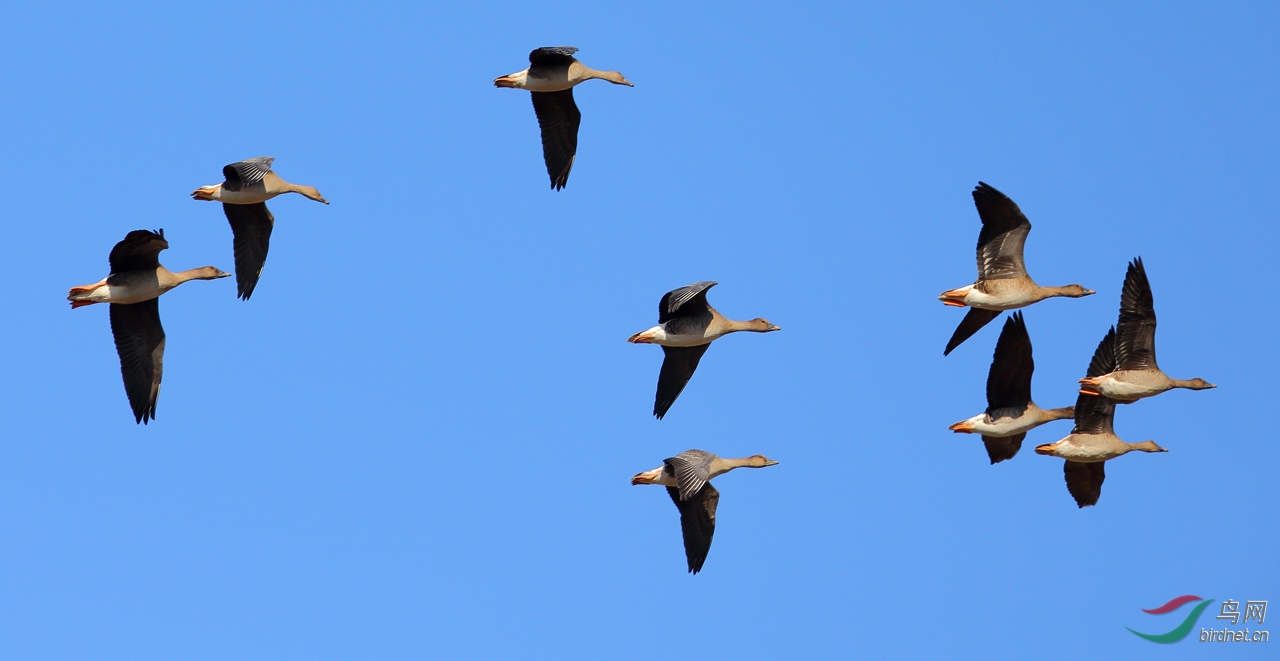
{"x":953,"y":297}
{"x":504,"y":81}
{"x":961,"y":428}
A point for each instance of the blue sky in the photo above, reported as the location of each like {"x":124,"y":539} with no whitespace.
{"x":415,"y":440}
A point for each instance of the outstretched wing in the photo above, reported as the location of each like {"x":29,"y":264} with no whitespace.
{"x":692,"y":470}
{"x":140,"y":249}
{"x":687,"y":301}
{"x":246,"y":173}
{"x":1084,"y":481}
{"x":251,"y":226}
{"x":1009,"y":380}
{"x":140,"y":343}
{"x":1004,"y":233}
{"x":1095,"y":413}
{"x":558,"y":117}
{"x":552,"y":56}
{"x":697,"y":522}
{"x":1004,"y":447}
{"x":678,"y":365}
{"x":973,"y":321}
{"x":1136,"y":332}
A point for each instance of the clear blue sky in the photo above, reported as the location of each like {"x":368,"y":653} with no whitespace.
{"x":415,"y":441}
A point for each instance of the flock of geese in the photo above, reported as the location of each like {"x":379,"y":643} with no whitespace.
{"x":1123,"y":368}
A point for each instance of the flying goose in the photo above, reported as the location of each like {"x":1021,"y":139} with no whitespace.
{"x":687,"y":325}
{"x":1136,"y":374}
{"x":248,"y":186}
{"x":1003,"y":283}
{"x":134,"y":288}
{"x":687,"y":477}
{"x":1093,"y":440}
{"x":1010,"y":412}
{"x":552,"y":73}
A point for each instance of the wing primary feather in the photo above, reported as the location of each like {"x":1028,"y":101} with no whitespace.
{"x":973,"y":321}
{"x":678,"y":366}
{"x":1012,"y":365}
{"x":139,"y":339}
{"x":251,"y":226}
{"x":558,"y":120}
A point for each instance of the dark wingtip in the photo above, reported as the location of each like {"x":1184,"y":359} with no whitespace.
{"x":661,"y":407}
{"x":983,"y":188}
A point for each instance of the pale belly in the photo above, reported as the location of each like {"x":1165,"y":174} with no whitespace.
{"x":1119,"y":388}
{"x":123,"y":294}
{"x":253,"y":196}
{"x":659,"y":335}
{"x":1002,"y":301}
{"x":1005,"y":426}
{"x":557,"y":84}
{"x":1088,"y":448}
{"x":683,"y":340}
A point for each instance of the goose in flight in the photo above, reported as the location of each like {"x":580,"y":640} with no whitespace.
{"x":133,"y":289}
{"x":1010,"y":412}
{"x":552,"y":73}
{"x":1093,"y":440}
{"x":687,"y":477}
{"x":687,"y":325}
{"x":1136,"y":374}
{"x":1003,"y":283}
{"x":244,"y":194}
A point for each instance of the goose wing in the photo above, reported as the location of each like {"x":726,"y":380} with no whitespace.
{"x":1095,"y":413}
{"x":140,"y":343}
{"x":692,"y":470}
{"x":246,"y":173}
{"x":552,"y":56}
{"x":678,"y":365}
{"x":1003,"y":448}
{"x":1009,"y":380}
{"x":1084,"y":481}
{"x":697,"y":522}
{"x":139,"y":250}
{"x":558,"y":117}
{"x":973,"y":322}
{"x":1004,"y":233}
{"x":1136,"y":332}
{"x":251,"y":226}
{"x":687,"y":301}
